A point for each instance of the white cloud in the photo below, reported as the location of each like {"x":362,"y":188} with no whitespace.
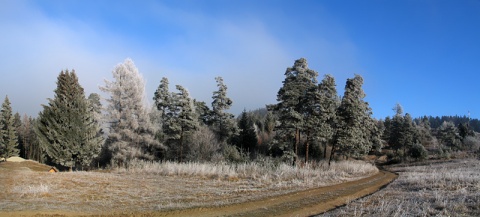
{"x":35,"y":49}
{"x":193,"y":49}
{"x":246,"y":55}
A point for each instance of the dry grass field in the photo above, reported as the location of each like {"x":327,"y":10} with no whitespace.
{"x":429,"y":189}
{"x":159,"y":186}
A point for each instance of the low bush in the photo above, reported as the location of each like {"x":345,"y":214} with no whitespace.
{"x":418,"y":152}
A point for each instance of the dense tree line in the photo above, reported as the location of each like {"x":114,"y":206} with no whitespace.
{"x":436,"y":122}
{"x":416,"y":138}
{"x":310,"y":121}
{"x":311,"y":114}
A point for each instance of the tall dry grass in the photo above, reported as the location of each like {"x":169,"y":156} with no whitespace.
{"x":32,"y":190}
{"x":318,"y":174}
{"x":436,"y":189}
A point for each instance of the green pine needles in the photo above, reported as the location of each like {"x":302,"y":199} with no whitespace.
{"x":310,"y":113}
{"x":8,"y":133}
{"x":66,"y":128}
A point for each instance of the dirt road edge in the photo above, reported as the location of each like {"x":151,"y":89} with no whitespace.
{"x":303,"y":203}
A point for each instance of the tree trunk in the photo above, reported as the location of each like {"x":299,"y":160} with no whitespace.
{"x":181,"y":146}
{"x":325,"y":150}
{"x":297,"y":142}
{"x":307,"y":144}
{"x":332,"y":152}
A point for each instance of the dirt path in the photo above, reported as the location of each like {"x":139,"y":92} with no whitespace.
{"x":302,"y":203}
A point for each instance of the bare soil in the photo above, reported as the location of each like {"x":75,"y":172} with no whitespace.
{"x":37,"y":199}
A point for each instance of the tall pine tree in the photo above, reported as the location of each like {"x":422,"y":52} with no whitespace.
{"x":9,"y":140}
{"x":292,"y":107}
{"x":66,"y":127}
{"x":187,"y":118}
{"x":329,"y":103}
{"x":162,"y":97}
{"x":310,"y":108}
{"x":354,"y":127}
{"x":223,"y":122}
{"x":163,"y":102}
{"x":448,"y":135}
{"x":131,"y":134}
{"x":409,"y":134}
{"x":180,"y":122}
{"x":247,"y":139}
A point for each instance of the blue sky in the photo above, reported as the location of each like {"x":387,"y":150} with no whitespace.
{"x":423,"y":54}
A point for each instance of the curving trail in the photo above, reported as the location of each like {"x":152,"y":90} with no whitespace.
{"x":303,"y":203}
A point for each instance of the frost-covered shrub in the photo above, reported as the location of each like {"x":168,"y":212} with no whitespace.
{"x":233,"y":154}
{"x":204,"y":146}
{"x":417,"y":151}
{"x":471,"y":143}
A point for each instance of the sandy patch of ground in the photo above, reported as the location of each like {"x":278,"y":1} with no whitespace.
{"x":15,"y":159}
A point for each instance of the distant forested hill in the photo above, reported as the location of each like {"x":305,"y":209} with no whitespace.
{"x":435,"y":122}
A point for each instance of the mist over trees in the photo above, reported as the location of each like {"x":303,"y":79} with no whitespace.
{"x":309,"y":122}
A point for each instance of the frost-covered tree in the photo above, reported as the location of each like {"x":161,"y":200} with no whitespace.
{"x":181,"y":121}
{"x":292,"y":105}
{"x":131,"y":134}
{"x":402,"y":132}
{"x":387,"y":126}
{"x":204,"y":113}
{"x":162,"y":97}
{"x":66,"y":127}
{"x":188,"y":118}
{"x":465,"y":130}
{"x":96,"y":107}
{"x":425,"y":133}
{"x":163,"y":100}
{"x":354,"y":127}
{"x":9,"y":140}
{"x":223,"y":123}
{"x":448,"y":135}
{"x":329,"y":102}
{"x":409,"y":134}
{"x":178,"y":118}
{"x":310,"y":108}
{"x":396,"y":136}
